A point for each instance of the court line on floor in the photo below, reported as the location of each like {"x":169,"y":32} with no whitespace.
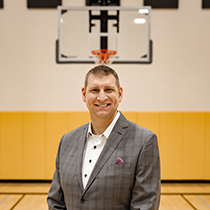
{"x":17,"y":202}
{"x":204,"y":202}
{"x":182,"y":195}
{"x":2,"y":201}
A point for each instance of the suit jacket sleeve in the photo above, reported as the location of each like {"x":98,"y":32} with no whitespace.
{"x":55,"y":197}
{"x":146,"y":191}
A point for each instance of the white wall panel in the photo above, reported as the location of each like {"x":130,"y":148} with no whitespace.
{"x":177,"y":80}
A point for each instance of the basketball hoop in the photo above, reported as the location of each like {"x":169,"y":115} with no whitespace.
{"x":104,"y":54}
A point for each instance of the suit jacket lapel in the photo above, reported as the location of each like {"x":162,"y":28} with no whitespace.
{"x":114,"y":139}
{"x":82,"y":140}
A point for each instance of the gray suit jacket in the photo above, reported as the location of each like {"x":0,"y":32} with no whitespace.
{"x":135,"y":184}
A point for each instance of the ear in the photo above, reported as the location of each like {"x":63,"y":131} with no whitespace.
{"x":83,"y":94}
{"x":120,"y":93}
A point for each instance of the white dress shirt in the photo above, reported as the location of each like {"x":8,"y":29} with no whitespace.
{"x":94,"y":146}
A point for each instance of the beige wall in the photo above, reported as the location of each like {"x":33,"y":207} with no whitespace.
{"x":177,"y":80}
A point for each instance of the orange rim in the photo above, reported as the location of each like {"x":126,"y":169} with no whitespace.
{"x":104,"y":54}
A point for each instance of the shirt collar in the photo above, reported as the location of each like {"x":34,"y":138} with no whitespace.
{"x":108,"y":130}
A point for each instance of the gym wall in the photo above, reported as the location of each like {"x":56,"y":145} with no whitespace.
{"x":40,"y":100}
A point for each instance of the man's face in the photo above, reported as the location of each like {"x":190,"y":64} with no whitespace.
{"x":102,"y":97}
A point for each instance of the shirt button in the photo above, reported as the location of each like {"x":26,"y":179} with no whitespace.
{"x":94,"y":147}
{"x":82,"y":200}
{"x":90,"y":161}
{"x":85,"y":175}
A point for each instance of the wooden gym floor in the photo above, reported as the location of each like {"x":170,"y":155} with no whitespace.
{"x":175,"y":196}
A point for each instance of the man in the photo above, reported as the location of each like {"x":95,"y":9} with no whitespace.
{"x":110,"y":163}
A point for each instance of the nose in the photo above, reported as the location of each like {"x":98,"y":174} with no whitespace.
{"x":102,"y":96}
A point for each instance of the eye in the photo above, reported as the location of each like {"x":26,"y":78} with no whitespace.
{"x":109,"y":90}
{"x":94,"y":90}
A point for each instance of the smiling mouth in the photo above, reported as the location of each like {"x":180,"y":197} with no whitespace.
{"x":104,"y":105}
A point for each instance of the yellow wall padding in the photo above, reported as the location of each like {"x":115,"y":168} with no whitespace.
{"x":29,"y":142}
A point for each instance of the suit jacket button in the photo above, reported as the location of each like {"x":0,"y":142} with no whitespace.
{"x":82,"y":200}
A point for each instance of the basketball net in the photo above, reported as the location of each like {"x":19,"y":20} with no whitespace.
{"x":103,"y":55}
